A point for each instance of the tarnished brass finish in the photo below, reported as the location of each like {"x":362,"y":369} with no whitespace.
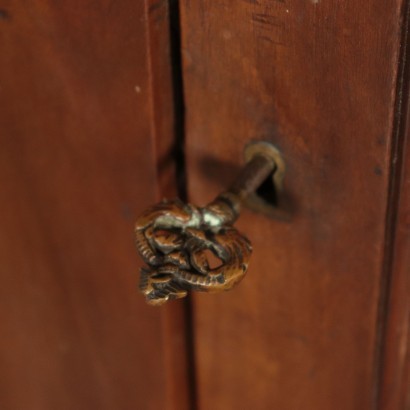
{"x":172,"y":238}
{"x":178,"y":242}
{"x":265,"y":148}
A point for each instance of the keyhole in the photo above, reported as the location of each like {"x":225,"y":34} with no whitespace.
{"x":267,"y":192}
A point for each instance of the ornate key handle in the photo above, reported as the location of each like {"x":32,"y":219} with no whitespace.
{"x":174,"y":239}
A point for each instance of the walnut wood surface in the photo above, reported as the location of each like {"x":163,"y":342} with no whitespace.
{"x":395,"y":368}
{"x":318,"y":79}
{"x":77,"y":165}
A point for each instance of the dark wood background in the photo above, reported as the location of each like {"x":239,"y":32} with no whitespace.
{"x":91,"y":110}
{"x":78,"y":161}
{"x":319,"y":79}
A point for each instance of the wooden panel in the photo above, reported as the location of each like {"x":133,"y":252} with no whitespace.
{"x":77,"y":164}
{"x":395,"y":369}
{"x":317,"y":78}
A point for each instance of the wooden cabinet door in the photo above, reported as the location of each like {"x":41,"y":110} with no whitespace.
{"x":82,"y":129}
{"x":98,"y":102}
{"x":325,"y":82}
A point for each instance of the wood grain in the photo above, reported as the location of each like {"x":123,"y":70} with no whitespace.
{"x":77,"y":163}
{"x":395,"y":389}
{"x":395,"y":366}
{"x":318,"y":79}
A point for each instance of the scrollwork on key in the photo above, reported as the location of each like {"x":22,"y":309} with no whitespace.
{"x":189,"y":248}
{"x":174,"y":239}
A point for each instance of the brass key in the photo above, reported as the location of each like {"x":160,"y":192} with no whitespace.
{"x":174,"y":238}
